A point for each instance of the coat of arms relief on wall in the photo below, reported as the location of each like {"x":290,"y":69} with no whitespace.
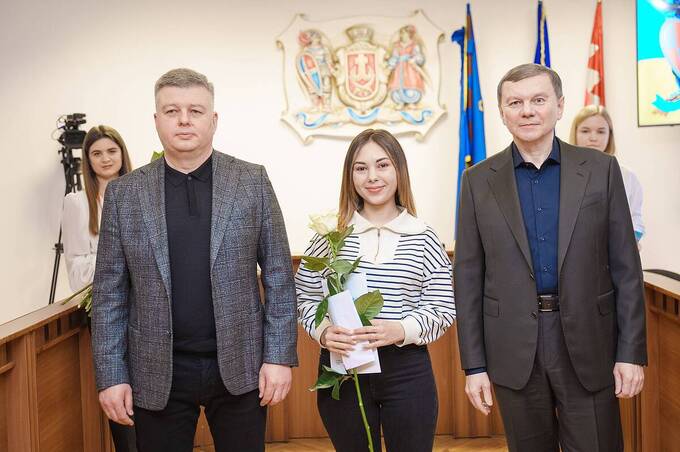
{"x":343,"y":76}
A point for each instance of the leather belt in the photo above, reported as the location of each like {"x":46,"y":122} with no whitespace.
{"x":548,"y":303}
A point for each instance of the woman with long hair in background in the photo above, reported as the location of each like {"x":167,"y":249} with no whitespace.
{"x":105,"y":158}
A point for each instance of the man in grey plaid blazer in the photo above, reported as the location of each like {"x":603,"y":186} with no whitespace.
{"x":177,"y":317}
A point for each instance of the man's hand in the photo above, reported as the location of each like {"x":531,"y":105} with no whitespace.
{"x":629,"y":379}
{"x":116,"y":401}
{"x":478,"y":390}
{"x":275,"y":380}
{"x":338,"y":340}
{"x":382,"y":333}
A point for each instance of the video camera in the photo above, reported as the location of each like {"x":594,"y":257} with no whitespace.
{"x":72,"y":137}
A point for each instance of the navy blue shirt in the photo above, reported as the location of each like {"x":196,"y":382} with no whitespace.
{"x":188,"y":215}
{"x":539,"y":198}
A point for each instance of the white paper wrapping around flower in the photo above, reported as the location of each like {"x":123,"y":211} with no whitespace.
{"x":341,"y":76}
{"x":343,"y":313}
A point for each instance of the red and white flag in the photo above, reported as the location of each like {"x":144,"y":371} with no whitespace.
{"x":595,"y":72}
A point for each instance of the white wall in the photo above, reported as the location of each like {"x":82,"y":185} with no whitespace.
{"x":103,"y":59}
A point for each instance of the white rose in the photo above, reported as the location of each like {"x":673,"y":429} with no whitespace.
{"x":324,"y":223}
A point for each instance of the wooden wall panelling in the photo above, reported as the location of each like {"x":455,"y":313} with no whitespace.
{"x":650,"y":398}
{"x":468,"y":422}
{"x":304,"y":418}
{"x":302,"y":415}
{"x":22,"y":395}
{"x":95,"y":438}
{"x":660,"y":399}
{"x":442,"y":364}
{"x":669,"y":385}
{"x":48,"y":399}
{"x":3,"y":413}
{"x":277,"y":423}
{"x":5,"y":367}
{"x":58,"y":388}
{"x":629,"y":417}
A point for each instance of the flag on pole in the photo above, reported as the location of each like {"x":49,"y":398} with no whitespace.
{"x":595,"y":71}
{"x":471,"y":132}
{"x":542,"y":55}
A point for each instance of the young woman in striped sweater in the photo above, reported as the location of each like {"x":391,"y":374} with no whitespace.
{"x":404,"y":259}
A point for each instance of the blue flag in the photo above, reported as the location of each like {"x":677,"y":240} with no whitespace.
{"x":471,"y":131}
{"x":542,"y":55}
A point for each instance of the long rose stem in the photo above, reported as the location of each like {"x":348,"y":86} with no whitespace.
{"x":363,"y":413}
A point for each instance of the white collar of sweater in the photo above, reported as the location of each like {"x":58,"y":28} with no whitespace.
{"x":404,"y":223}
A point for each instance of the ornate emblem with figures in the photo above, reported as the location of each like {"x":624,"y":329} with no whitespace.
{"x":362,"y":75}
{"x":344,"y":75}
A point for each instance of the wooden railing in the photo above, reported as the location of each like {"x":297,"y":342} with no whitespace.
{"x":660,"y":406}
{"x":48,"y":400}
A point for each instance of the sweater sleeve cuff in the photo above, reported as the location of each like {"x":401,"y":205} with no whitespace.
{"x":316,"y":334}
{"x":411,"y":331}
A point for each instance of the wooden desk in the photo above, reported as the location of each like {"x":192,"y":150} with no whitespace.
{"x":48,"y":399}
{"x":660,"y":405}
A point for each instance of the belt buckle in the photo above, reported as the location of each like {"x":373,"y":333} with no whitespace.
{"x":552,"y":299}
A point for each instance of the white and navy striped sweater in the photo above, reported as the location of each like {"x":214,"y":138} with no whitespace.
{"x":414,"y":280}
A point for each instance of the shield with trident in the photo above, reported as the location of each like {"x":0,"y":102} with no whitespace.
{"x":362,"y":76}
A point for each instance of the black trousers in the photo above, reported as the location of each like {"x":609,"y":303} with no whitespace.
{"x":123,"y":437}
{"x":237,"y":422}
{"x":402,"y":400}
{"x":554,"y":409}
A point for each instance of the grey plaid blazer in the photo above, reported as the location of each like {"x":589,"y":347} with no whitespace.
{"x":131,"y":313}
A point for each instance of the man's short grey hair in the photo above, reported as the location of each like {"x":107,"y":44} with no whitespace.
{"x":184,"y":78}
{"x":530,"y":70}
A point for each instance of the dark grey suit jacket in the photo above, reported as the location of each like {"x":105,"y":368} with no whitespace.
{"x":600,"y":277}
{"x":131,"y":314}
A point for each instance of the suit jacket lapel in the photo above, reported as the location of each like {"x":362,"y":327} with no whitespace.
{"x":504,"y":188}
{"x":573,"y":181}
{"x":225,"y":182}
{"x":152,"y":201}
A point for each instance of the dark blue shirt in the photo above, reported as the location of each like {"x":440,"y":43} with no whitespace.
{"x":539,"y":198}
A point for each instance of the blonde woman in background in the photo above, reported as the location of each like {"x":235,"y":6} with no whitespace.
{"x":592,"y":128}
{"x":105,"y":158}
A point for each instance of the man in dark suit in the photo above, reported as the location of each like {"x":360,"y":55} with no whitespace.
{"x":548,"y":281}
{"x":177,"y":317}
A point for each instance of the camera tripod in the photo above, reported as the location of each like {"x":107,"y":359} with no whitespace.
{"x":71,"y":138}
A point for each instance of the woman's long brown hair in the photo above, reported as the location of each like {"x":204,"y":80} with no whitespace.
{"x":350,"y":201}
{"x":95,"y":134}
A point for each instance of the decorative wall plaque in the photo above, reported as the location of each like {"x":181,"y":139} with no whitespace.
{"x":343,"y":76}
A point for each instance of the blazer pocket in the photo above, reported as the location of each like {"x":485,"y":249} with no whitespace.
{"x":491,"y":307}
{"x":605,"y":302}
{"x":590,"y":200}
